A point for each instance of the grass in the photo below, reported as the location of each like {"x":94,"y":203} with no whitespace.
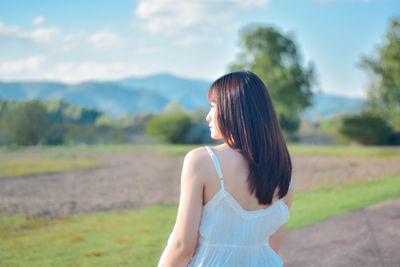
{"x":51,"y":159}
{"x":118,"y":238}
{"x":137,"y":237}
{"x":62,"y":158}
{"x":181,"y":150}
{"x":25,"y":166}
{"x":68,"y":149}
{"x":310,"y":207}
{"x":345,"y":151}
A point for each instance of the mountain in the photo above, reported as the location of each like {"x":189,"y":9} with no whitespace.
{"x":150,"y":94}
{"x":28,"y":90}
{"x":325,"y":105}
{"x":113,"y":98}
{"x":191,"y":93}
{"x":104,"y":96}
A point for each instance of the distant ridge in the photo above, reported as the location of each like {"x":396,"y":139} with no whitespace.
{"x":104,"y":96}
{"x":325,"y":105}
{"x":191,"y":93}
{"x":150,"y":93}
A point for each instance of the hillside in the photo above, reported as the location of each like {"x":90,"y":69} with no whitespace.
{"x":150,"y":94}
{"x":325,"y":105}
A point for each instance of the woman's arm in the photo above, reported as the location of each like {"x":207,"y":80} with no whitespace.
{"x":276,"y":239}
{"x":183,"y":243}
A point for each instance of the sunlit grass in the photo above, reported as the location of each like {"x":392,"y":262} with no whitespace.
{"x":181,"y":150}
{"x":124,"y":238}
{"x":25,"y":166}
{"x":310,"y":207}
{"x":137,"y":237}
{"x":340,"y":150}
{"x":65,"y":150}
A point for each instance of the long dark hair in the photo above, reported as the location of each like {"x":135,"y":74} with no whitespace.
{"x":248,"y":124}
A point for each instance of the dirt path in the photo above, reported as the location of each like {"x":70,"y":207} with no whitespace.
{"x":138,"y":178}
{"x":128,"y":179}
{"x":368,"y":237}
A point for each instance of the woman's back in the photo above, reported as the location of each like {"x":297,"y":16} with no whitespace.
{"x":235,"y":172}
{"x":234,"y":229}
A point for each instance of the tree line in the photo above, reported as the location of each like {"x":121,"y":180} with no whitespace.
{"x":56,"y":122}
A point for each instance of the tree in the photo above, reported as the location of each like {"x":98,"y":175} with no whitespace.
{"x":64,"y":112}
{"x":274,"y":57}
{"x":170,"y":128}
{"x":27,"y":123}
{"x":383,"y":97}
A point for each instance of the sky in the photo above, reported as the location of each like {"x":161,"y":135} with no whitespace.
{"x":74,"y":41}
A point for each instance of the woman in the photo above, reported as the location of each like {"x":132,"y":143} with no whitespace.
{"x":235,"y":197}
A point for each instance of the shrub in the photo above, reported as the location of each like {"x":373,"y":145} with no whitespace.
{"x":394,"y":139}
{"x":289,"y":124}
{"x":367,"y":129}
{"x":80,"y":134}
{"x":170,"y":128}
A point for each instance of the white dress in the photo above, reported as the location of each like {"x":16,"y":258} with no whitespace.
{"x":232,"y":236}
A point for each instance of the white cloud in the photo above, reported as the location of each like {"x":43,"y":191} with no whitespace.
{"x":44,"y":35}
{"x":70,"y":41}
{"x":39,"y":35}
{"x":73,"y":71}
{"x":30,"y":64}
{"x":38,"y":20}
{"x":105,"y":39}
{"x":172,"y":16}
{"x":88,"y":70}
{"x":4,"y":29}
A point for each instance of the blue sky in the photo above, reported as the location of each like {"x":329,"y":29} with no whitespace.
{"x":85,"y":40}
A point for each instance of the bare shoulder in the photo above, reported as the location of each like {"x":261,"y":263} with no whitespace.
{"x":197,"y":154}
{"x":198,"y":162}
{"x":197,"y":157}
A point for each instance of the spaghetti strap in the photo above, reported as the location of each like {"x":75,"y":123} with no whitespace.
{"x":216,"y":163}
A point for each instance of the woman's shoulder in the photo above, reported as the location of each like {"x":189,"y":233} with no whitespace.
{"x":197,"y":155}
{"x":201,"y":154}
{"x":199,"y":161}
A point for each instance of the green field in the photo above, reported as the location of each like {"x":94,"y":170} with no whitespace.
{"x":25,"y":166}
{"x":136,"y":237}
{"x":179,"y":150}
